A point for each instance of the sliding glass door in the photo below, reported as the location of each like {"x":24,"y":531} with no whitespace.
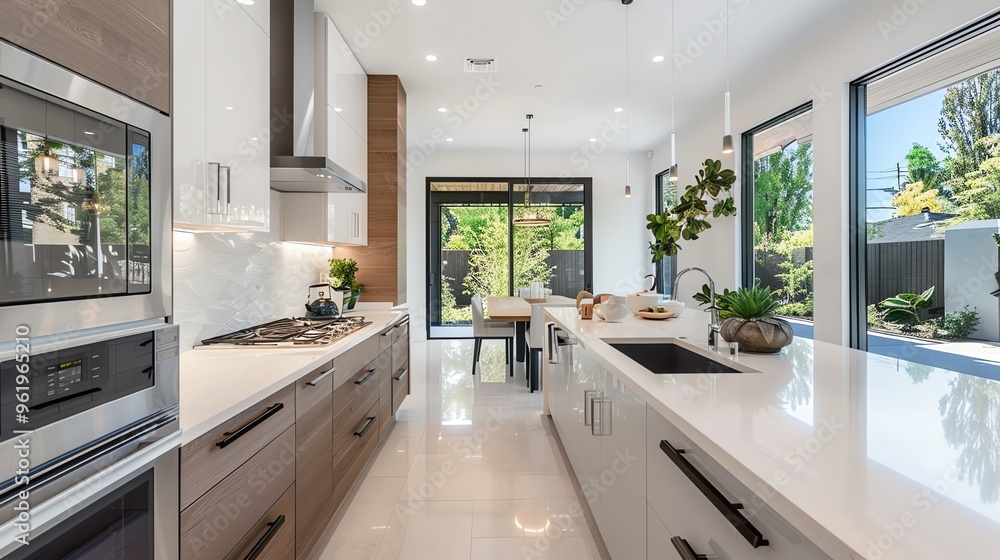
{"x":478,"y":245}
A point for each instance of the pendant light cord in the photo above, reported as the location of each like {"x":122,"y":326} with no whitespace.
{"x":627,"y":107}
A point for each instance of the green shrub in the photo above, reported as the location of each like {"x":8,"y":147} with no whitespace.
{"x":342,"y":274}
{"x":903,"y":309}
{"x":798,"y":309}
{"x":958,"y":325}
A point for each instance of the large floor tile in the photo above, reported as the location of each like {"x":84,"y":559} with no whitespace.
{"x":429,"y":530}
{"x":379,"y":490}
{"x":395,"y":457}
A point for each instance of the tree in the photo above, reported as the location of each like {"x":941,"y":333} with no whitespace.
{"x":970,"y":111}
{"x":923,"y":167}
{"x":783,"y":186}
{"x":914,"y":198}
{"x":488,"y":265}
{"x":979,"y":197}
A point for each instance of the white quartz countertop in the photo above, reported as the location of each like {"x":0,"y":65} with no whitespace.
{"x":868,"y":456}
{"x":218,"y":383}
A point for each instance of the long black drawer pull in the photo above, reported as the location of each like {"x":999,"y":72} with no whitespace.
{"x":321,"y":377}
{"x":233,"y":436}
{"x":402,"y":375}
{"x":685,"y":550}
{"x":365,"y":379}
{"x":368,"y":424}
{"x":728,"y":509}
{"x":147,"y":343}
{"x":272,"y":529}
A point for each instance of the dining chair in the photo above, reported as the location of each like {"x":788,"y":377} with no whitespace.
{"x":483,"y":328}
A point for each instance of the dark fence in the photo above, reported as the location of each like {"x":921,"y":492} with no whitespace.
{"x":567,"y":278}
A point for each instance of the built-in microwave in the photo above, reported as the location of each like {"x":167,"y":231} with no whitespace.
{"x":85,"y":210}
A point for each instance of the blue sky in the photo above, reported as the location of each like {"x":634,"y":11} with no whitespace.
{"x":891,"y":134}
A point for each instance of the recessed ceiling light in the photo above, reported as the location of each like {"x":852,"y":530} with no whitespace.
{"x":449,"y":139}
{"x":88,"y":132}
{"x":246,"y":2}
{"x":658,"y":58}
{"x":442,"y":109}
{"x":431,"y":58}
{"x":229,"y":108}
{"x":337,"y":109}
{"x":254,"y":138}
{"x":418,"y":2}
{"x":618,"y":109}
{"x":593,"y":139}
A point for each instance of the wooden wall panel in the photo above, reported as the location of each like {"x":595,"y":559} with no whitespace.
{"x":382,"y":264}
{"x":123,"y":44}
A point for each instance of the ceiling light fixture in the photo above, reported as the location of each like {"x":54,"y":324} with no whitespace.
{"x":88,"y":132}
{"x":337,"y":109}
{"x":658,"y":58}
{"x":449,"y":139}
{"x":727,"y":139}
{"x":442,"y":109}
{"x":246,"y":2}
{"x":593,"y":139}
{"x":418,"y":2}
{"x":431,"y":58}
{"x":619,"y":109}
{"x":672,"y":176}
{"x":530,"y":218}
{"x":229,"y":107}
{"x":628,"y":188}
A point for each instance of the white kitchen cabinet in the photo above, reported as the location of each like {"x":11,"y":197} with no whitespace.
{"x":221,"y":115}
{"x":588,"y":385}
{"x":329,"y":218}
{"x":689,"y":514}
{"x":341,"y":101}
{"x":658,"y":546}
{"x":620,"y":422}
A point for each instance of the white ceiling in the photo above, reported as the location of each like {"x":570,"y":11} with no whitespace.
{"x":578,"y":57}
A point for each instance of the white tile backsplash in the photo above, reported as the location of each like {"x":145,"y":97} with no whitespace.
{"x":227,"y":281}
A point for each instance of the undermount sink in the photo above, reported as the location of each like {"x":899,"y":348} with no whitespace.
{"x":671,"y":358}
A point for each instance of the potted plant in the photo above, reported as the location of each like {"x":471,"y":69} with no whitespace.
{"x":689,"y":217}
{"x":343,"y":276}
{"x":749,"y":318}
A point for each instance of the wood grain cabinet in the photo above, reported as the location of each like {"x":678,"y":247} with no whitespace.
{"x":122,"y":44}
{"x":314,"y":455}
{"x":273,"y":536}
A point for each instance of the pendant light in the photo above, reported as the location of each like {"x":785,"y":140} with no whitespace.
{"x":529,"y":218}
{"x":628,"y":188}
{"x":727,"y":139}
{"x":46,"y":165}
{"x":673,"y":97}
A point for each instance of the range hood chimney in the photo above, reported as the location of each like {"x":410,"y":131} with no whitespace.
{"x":295,"y":167}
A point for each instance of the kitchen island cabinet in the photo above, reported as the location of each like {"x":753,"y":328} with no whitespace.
{"x":276,"y":471}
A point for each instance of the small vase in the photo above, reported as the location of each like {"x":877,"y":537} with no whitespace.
{"x":761,"y":337}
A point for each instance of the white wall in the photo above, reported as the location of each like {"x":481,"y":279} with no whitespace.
{"x":819,"y":71}
{"x":621,"y":256}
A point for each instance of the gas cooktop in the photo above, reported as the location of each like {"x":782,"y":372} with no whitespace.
{"x":283,"y":333}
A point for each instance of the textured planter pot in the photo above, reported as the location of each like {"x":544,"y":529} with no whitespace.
{"x":997,"y":292}
{"x":758,"y":336}
{"x":349,"y":303}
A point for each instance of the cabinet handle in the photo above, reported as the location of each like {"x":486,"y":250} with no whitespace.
{"x":685,"y":550}
{"x":365,"y":379}
{"x":272,"y":529}
{"x":588,"y":407}
{"x":233,"y":436}
{"x":225,"y":171}
{"x":553,"y":352}
{"x":402,"y":375}
{"x":597,"y":427}
{"x":147,"y":343}
{"x":368,"y":424}
{"x":728,"y":509}
{"x":214,"y":168}
{"x":321,"y":377}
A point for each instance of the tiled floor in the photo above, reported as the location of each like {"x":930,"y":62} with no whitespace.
{"x":471,"y":471}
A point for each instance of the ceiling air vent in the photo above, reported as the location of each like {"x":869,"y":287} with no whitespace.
{"x":481,"y":65}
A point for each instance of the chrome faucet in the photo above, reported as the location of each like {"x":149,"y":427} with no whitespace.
{"x":713,"y":333}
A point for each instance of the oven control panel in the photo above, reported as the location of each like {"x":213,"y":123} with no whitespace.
{"x":68,"y":381}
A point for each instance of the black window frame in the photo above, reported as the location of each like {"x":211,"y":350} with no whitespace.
{"x":663,"y":278}
{"x":747,"y":261}
{"x":858,"y":195}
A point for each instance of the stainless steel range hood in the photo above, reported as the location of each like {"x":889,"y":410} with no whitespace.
{"x":295,"y":167}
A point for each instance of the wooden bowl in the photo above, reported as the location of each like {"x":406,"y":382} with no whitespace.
{"x":656,"y":316}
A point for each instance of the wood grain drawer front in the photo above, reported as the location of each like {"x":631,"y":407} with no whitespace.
{"x":218,"y":521}
{"x":273,"y":537}
{"x":122,"y":44}
{"x":350,"y":362}
{"x":688,"y":513}
{"x":351,"y":402}
{"x":400,"y":386}
{"x":401,"y":349}
{"x":314,"y":456}
{"x":384,"y":416}
{"x":210,"y":458}
{"x":385,"y":339}
{"x":351,"y":458}
{"x":401,"y":330}
{"x":385,"y":373}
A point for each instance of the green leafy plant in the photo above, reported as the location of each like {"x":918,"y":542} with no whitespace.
{"x":343,"y":272}
{"x":958,"y":325}
{"x":756,"y":303}
{"x":903,"y":309}
{"x":688,"y":218}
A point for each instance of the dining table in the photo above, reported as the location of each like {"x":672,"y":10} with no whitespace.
{"x":517,"y":310}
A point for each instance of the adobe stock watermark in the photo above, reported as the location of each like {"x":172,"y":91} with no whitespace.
{"x":899,"y":15}
{"x":713,"y":29}
{"x":562,"y":12}
{"x":456,"y":117}
{"x":582,"y":158}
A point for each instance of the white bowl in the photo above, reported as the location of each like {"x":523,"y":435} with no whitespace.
{"x":675,"y":307}
{"x":638,"y":302}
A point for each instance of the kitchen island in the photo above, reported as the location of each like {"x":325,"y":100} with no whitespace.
{"x":831,"y":452}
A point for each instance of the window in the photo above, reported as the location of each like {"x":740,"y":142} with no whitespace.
{"x":778,"y":213}
{"x":666,"y":197}
{"x":926,"y":200}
